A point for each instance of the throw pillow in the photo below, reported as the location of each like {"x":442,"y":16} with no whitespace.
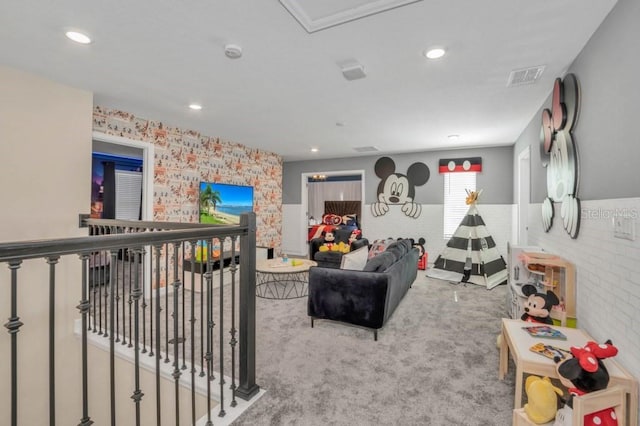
{"x":355,"y":260}
{"x":380,"y":262}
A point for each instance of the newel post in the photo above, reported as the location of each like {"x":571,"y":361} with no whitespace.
{"x":247,"y":333}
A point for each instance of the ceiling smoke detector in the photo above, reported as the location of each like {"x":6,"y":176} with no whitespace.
{"x":233,"y":51}
{"x":352,"y":69}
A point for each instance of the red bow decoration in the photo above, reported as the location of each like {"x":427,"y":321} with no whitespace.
{"x":589,"y":355}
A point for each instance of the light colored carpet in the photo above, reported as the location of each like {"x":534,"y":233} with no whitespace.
{"x":435,"y":363}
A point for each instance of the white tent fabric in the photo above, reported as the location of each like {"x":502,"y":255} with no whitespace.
{"x":472,"y":246}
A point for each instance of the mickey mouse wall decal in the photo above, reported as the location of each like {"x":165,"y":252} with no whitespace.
{"x":397,"y":188}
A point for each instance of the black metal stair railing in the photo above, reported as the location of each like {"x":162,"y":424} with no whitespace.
{"x":126,"y":284}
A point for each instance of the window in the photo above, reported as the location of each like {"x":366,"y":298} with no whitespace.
{"x":456,"y":186}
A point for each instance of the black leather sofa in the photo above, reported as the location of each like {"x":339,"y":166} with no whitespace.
{"x":365,"y":298}
{"x":332,"y":259}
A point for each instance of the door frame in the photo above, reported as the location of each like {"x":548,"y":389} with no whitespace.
{"x":147,"y":167}
{"x":523,"y":195}
{"x":304,"y":197}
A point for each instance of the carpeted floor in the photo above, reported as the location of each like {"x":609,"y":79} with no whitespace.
{"x":435,"y":363}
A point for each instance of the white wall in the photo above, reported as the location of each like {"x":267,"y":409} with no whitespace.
{"x":45,"y":175}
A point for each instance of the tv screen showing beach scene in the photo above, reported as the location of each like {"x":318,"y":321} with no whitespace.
{"x":222,"y":203}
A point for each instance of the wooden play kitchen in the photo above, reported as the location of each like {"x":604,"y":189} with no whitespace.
{"x":559,"y":276}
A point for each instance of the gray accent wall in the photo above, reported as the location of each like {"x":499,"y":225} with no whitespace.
{"x":606,"y":133}
{"x":496,"y":178}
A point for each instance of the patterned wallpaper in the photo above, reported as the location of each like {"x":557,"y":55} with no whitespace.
{"x":183,"y":158}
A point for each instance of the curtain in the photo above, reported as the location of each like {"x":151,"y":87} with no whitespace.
{"x":319,"y":192}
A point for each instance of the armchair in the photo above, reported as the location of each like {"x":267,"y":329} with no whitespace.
{"x":332,"y":259}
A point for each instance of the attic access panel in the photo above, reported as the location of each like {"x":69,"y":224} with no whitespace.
{"x":316,"y":15}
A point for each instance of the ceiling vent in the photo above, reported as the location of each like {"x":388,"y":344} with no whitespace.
{"x":525,"y":76}
{"x":316,"y":15}
{"x":363,"y":149}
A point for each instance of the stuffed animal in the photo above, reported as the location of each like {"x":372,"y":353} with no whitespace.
{"x":542,"y":399}
{"x":585,"y":373}
{"x":537,"y":307}
{"x":329,"y":242}
{"x":356,"y":234}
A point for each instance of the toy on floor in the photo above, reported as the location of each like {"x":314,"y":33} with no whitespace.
{"x":585,"y":373}
{"x":422,"y":256}
{"x":537,"y":307}
{"x":542,"y":399}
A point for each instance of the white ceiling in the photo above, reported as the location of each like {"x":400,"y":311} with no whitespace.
{"x":287,"y":93}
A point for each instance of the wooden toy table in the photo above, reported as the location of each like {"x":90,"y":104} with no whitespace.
{"x":518,"y":341}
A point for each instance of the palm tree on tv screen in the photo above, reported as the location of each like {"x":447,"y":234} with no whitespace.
{"x":209,"y":199}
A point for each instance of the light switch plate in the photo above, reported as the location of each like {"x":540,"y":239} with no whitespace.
{"x":624,"y":227}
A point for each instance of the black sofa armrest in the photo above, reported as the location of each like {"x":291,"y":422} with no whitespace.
{"x":354,"y":297}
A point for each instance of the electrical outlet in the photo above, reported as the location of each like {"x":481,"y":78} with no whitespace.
{"x":624,"y":227}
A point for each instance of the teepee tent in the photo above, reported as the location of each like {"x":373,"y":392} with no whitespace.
{"x":471,"y":254}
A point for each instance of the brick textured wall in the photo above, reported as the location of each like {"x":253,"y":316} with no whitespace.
{"x":608,"y":273}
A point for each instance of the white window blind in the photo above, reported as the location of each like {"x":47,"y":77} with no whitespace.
{"x":456,"y":186}
{"x":128,"y":194}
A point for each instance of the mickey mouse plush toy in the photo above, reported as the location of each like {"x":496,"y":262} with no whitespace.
{"x":538,"y":305}
{"x":585,"y":373}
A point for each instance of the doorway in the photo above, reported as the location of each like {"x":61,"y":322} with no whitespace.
{"x":331,"y":176}
{"x":524,"y":195}
{"x":120,"y":146}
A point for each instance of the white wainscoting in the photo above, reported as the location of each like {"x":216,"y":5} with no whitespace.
{"x":497,"y":217}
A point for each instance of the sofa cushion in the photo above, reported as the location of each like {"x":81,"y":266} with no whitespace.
{"x":355,"y":260}
{"x":380,"y":262}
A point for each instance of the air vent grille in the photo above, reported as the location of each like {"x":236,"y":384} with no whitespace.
{"x":366,"y":149}
{"x":525,"y":76}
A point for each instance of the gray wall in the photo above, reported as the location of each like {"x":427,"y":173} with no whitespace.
{"x":606,"y":133}
{"x":496,"y":178}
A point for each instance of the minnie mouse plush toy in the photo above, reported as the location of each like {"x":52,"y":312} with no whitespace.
{"x":585,"y":373}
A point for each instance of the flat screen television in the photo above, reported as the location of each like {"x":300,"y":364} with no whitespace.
{"x":222,"y":203}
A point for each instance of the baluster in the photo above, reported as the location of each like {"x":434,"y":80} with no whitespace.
{"x":209,"y":356}
{"x":203,"y":261}
{"x":122,"y":255}
{"x":52,"y":261}
{"x":116,"y":289}
{"x":130,"y":298}
{"x":221,"y":413}
{"x":193,"y":331}
{"x":166,"y":305}
{"x":233,"y":341}
{"x":13,"y":325}
{"x":144,"y":303}
{"x":151,"y":311}
{"x":135,"y":295}
{"x":183,"y":340}
{"x":158,"y":251}
{"x":84,"y":307}
{"x":112,"y":343}
{"x":107,"y":291}
{"x":176,"y":293}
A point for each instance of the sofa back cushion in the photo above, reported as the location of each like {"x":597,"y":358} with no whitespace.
{"x":355,"y":260}
{"x":380,"y":262}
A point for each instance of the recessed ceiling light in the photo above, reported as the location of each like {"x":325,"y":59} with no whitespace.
{"x":195,"y":107}
{"x":453,"y":138}
{"x":233,"y":51}
{"x":435,"y":53}
{"x":78,"y":37}
{"x":314,"y":149}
